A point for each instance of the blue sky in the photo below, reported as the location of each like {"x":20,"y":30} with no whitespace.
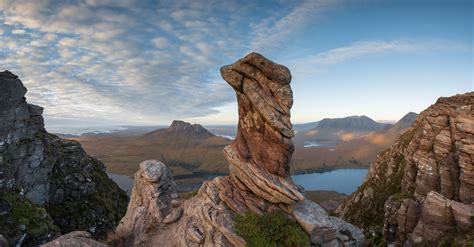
{"x":110,"y":62}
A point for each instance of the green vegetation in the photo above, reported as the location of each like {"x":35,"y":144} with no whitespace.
{"x":399,"y":197}
{"x":372,"y":214}
{"x":25,"y":217}
{"x":100,"y":209}
{"x":271,"y":229}
{"x":188,"y":194}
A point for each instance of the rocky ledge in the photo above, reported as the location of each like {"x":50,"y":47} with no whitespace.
{"x":258,"y":183}
{"x":421,"y":190}
{"x":50,"y":184}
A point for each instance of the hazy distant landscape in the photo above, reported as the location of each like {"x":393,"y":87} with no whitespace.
{"x":194,"y":153}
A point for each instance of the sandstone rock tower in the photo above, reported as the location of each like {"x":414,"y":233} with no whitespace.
{"x":259,"y":156}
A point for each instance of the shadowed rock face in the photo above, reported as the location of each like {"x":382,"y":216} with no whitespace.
{"x":422,"y":189}
{"x":51,"y":172}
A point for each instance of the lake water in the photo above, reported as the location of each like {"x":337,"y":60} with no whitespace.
{"x":343,"y":181}
{"x":125,"y":182}
{"x":314,"y":144}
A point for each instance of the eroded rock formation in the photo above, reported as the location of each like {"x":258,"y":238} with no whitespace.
{"x":51,"y":172}
{"x":259,"y":178}
{"x":422,"y":188}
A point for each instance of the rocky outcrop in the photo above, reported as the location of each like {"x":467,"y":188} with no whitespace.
{"x":75,"y":239}
{"x":258,"y":182}
{"x":264,"y":99}
{"x":422,"y":189}
{"x":153,"y":199}
{"x":51,"y":172}
{"x":157,"y":215}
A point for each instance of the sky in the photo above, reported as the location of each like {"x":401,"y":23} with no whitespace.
{"x":136,"y":62}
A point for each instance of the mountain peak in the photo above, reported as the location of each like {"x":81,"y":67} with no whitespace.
{"x":188,"y":128}
{"x":352,"y":123}
{"x":408,"y":118}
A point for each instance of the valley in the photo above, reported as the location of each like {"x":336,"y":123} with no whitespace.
{"x":194,"y":153}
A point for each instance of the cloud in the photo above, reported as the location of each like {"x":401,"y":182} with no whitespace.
{"x":160,"y":42}
{"x":272,"y":32}
{"x":18,"y":31}
{"x":106,"y":62}
{"x":371,"y":48}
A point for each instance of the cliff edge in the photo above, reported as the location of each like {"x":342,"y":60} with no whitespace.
{"x":421,"y":190}
{"x":48,"y":185}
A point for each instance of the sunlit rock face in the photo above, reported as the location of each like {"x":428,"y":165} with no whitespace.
{"x":259,"y":178}
{"x":260,"y":154}
{"x":422,"y":188}
{"x":51,"y":172}
{"x":264,"y":100}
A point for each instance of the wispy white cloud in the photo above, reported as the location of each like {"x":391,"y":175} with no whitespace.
{"x":274,"y":31}
{"x":18,"y":31}
{"x":363,"y":49}
{"x":160,"y":42}
{"x":81,"y":60}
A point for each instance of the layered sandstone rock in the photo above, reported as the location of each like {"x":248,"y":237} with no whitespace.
{"x":415,"y":188}
{"x":157,"y":215}
{"x":259,"y":178}
{"x":260,"y":154}
{"x":50,"y":172}
{"x":153,"y":201}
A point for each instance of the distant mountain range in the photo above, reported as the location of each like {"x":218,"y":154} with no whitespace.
{"x":331,"y":131}
{"x":346,"y":142}
{"x":194,"y":152}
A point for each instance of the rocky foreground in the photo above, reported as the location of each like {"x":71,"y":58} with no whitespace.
{"x":48,"y":186}
{"x":421,"y":190}
{"x":259,"y":180}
